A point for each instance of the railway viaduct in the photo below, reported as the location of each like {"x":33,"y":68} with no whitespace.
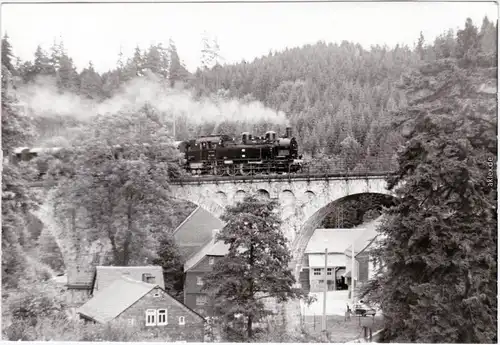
{"x":304,"y":203}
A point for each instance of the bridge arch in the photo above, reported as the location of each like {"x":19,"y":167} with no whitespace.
{"x":221,"y":198}
{"x":263,"y":193}
{"x":239,"y":195}
{"x":315,"y":220}
{"x":214,"y":204}
{"x":304,"y":202}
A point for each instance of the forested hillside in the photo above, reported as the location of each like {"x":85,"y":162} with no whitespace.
{"x":338,"y":98}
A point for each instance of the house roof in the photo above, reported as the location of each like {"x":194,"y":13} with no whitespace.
{"x":212,"y":248}
{"x":195,"y":231}
{"x":106,"y":275}
{"x":366,"y":238}
{"x":113,"y":300}
{"x":336,"y":240}
{"x":334,"y":260}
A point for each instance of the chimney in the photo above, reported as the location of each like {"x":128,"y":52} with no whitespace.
{"x":288,"y":132}
{"x":214,"y":233}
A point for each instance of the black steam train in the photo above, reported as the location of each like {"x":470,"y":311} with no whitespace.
{"x":218,"y":155}
{"x":222,"y":155}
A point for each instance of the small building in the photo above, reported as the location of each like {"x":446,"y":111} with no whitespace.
{"x":195,"y":269}
{"x":335,"y":240}
{"x":195,"y":231}
{"x":364,"y":267}
{"x":79,"y":286}
{"x":146,"y":306}
{"x":106,"y":275}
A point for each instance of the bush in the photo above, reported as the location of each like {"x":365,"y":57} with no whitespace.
{"x":60,"y":328}
{"x":39,"y":300}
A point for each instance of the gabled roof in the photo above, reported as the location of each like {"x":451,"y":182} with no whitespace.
{"x":212,"y":248}
{"x":366,"y":238}
{"x":110,"y":302}
{"x":106,"y":275}
{"x":195,"y":231}
{"x":336,"y":240}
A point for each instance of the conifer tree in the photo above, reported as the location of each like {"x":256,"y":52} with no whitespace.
{"x":439,"y":279}
{"x":17,"y":199}
{"x":256,"y":266}
{"x":90,"y":83}
{"x":177,"y":72}
{"x":168,"y":257}
{"x":7,"y":54}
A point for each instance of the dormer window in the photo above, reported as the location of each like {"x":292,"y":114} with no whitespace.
{"x":148,"y":278}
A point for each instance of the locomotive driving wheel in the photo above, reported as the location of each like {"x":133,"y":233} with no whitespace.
{"x":245,"y":169}
{"x":218,"y":170}
{"x":230,"y":170}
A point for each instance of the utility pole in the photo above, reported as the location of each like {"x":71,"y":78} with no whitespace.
{"x":325,"y":293}
{"x":352,"y":273}
{"x":174,"y":127}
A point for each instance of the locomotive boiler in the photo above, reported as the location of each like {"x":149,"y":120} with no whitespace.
{"x":223,"y":155}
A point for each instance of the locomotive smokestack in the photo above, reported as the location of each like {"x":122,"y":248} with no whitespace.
{"x":288,"y":132}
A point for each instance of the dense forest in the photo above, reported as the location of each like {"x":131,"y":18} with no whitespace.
{"x":341,"y":99}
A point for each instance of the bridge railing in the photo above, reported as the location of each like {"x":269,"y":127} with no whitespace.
{"x":313,"y":169}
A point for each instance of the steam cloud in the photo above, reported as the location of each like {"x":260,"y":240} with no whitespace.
{"x":43,"y":99}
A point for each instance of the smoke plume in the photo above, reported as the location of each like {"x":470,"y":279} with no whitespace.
{"x":43,"y":99}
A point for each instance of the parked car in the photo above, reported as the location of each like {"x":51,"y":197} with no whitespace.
{"x":362,"y":309}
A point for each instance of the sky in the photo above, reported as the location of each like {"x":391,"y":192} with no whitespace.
{"x":97,"y":32}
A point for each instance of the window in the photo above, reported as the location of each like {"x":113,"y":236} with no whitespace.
{"x":182,"y":320}
{"x":201,"y":300}
{"x":199,"y":281}
{"x":156,"y":294}
{"x":211,"y":261}
{"x":329,"y":271}
{"x":131,"y":322}
{"x":162,"y":317}
{"x":150,"y":317}
{"x":317,"y":271}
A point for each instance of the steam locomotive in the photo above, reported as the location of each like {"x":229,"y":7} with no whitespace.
{"x":222,"y":155}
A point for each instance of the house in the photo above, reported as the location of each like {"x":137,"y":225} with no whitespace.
{"x":146,"y":306}
{"x":312,"y":276}
{"x":195,"y":269}
{"x":363,"y":267}
{"x":106,"y":275}
{"x":195,"y":231}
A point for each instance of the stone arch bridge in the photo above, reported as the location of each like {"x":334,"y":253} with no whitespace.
{"x":304,"y":202}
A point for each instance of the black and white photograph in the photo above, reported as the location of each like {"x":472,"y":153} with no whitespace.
{"x":261,"y":171}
